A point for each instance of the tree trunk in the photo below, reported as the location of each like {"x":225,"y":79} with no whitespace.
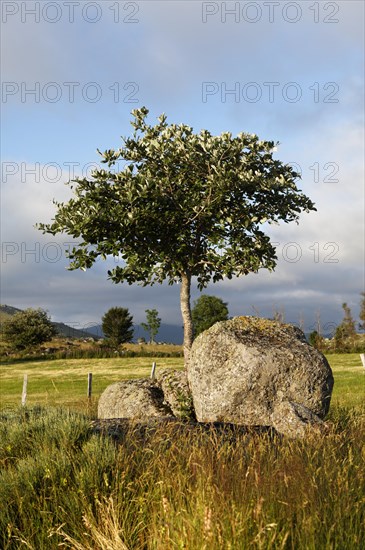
{"x":186,"y":315}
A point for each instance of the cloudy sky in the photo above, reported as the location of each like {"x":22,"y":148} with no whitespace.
{"x":291,"y":72}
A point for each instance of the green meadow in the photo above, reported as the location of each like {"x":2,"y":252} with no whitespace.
{"x":64,"y":486}
{"x":63,"y":382}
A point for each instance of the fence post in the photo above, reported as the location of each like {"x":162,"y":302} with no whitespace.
{"x":362,"y":357}
{"x":89,"y":384}
{"x":24,"y":393}
{"x":153,"y":371}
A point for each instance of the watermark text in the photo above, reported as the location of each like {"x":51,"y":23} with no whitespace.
{"x":269,"y":92}
{"x":270,"y":12}
{"x":70,"y":92}
{"x":53,"y":12}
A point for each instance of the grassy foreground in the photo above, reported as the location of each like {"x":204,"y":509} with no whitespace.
{"x":63,"y":486}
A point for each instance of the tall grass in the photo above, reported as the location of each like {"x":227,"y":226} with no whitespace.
{"x":64,"y":486}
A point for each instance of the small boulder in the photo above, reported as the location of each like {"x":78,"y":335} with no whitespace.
{"x":177,"y":394}
{"x":255,"y":371}
{"x":136,"y":399}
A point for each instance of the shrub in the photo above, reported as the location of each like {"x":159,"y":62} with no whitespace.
{"x":28,"y":328}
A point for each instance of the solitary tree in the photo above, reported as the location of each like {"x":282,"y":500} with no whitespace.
{"x":28,"y":328}
{"x":153,"y":324}
{"x":184,"y":205}
{"x":117,"y":325}
{"x":208,"y":310}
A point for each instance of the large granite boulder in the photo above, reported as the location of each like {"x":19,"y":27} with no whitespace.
{"x":135,"y":399}
{"x":255,"y":371}
{"x":175,"y":387}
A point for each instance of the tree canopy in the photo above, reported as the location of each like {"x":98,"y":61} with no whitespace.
{"x":117,"y":325}
{"x":152,"y":324}
{"x":316,"y":340}
{"x":347,"y":328}
{"x":208,"y":310}
{"x":184,"y":205}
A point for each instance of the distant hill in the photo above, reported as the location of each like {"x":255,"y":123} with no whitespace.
{"x":171,"y":334}
{"x":70,"y":332}
{"x":6,"y":311}
{"x":62,"y":329}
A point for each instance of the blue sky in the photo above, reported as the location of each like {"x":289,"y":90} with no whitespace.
{"x":288,"y":71}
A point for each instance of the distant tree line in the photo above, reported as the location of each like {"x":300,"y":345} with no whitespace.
{"x":33,"y":327}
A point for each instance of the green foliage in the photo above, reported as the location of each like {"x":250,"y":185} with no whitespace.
{"x":65,"y":486}
{"x":208,"y":310}
{"x":184,"y":202}
{"x":117,"y":325}
{"x":348,"y":323}
{"x":355,"y":344}
{"x":316,"y":340}
{"x":345,"y":334}
{"x":152,"y":325}
{"x":184,"y":205}
{"x":28,"y":328}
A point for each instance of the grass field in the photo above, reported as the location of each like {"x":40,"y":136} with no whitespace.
{"x":64,"y":382}
{"x":349,"y":375}
{"x":64,"y":486}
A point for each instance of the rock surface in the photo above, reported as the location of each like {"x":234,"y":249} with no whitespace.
{"x":294,"y":420}
{"x":136,"y":399}
{"x":177,"y":394}
{"x":259,"y":372}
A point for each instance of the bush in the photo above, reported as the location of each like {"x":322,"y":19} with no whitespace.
{"x":28,"y":328}
{"x":353,"y":344}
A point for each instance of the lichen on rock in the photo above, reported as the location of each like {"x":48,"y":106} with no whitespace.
{"x":250,"y":371}
{"x":177,"y":394}
{"x":136,"y":399}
